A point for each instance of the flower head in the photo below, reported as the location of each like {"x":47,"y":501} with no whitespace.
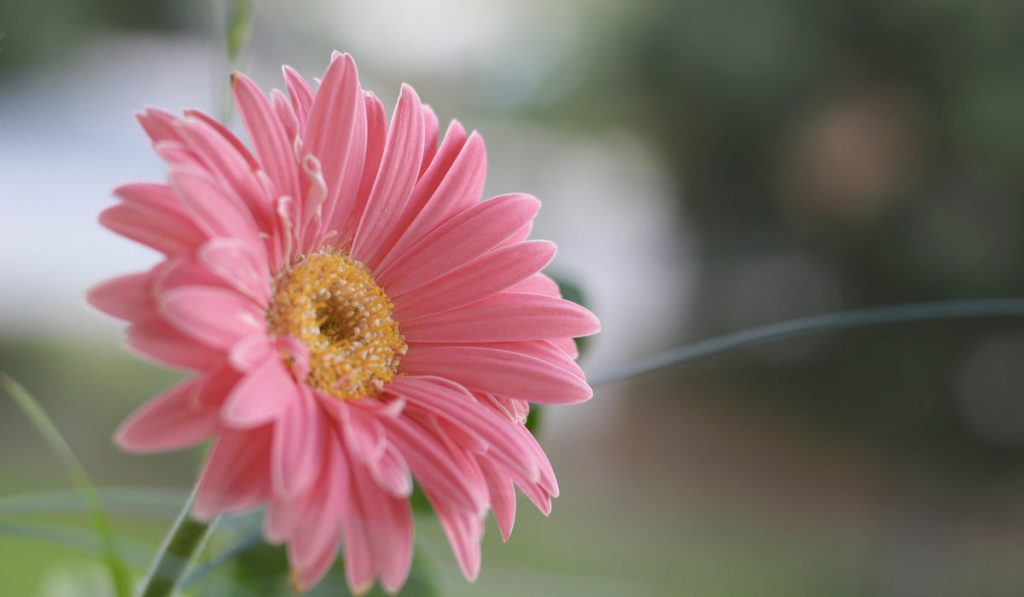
{"x":355,"y":317}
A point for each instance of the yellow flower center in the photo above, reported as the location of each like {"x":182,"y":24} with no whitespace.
{"x":332,"y":304}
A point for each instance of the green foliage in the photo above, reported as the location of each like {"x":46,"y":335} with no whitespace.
{"x":120,"y":573}
{"x":533,"y":420}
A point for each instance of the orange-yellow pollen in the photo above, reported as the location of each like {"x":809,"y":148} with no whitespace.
{"x":332,"y":304}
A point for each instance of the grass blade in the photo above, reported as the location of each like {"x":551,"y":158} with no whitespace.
{"x":70,"y":537}
{"x":119,"y":572}
{"x":139,"y":501}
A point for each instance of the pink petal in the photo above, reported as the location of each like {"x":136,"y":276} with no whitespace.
{"x":399,"y":168}
{"x":268,"y":135}
{"x":318,"y":517}
{"x":227,"y":160}
{"x":216,"y":210}
{"x":156,"y":339}
{"x":537,"y":284}
{"x":464,"y":531}
{"x":234,"y":478}
{"x":458,"y":241}
{"x":433,"y":464}
{"x":376,"y":137}
{"x":250,"y":352}
{"x":363,"y":432}
{"x":504,"y":317}
{"x":503,"y":497}
{"x":285,"y":115}
{"x":498,"y":371}
{"x":545,"y":351}
{"x":158,"y":224}
{"x":566,"y":345}
{"x":547,"y":481}
{"x":215,"y":317}
{"x":216,"y":385}
{"x":230,"y":137}
{"x":183,"y":271}
{"x":299,"y":438}
{"x":241,"y":264}
{"x":430,"y":132}
{"x":160,"y":125}
{"x":453,"y":183}
{"x":380,"y":527}
{"x":391,"y":472}
{"x":454,"y":403}
{"x":262,"y":396}
{"x":336,"y":135}
{"x":478,"y":279}
{"x":300,"y":94}
{"x":170,"y":421}
{"x":125,"y":297}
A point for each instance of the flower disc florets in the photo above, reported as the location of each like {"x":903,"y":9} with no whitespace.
{"x":332,"y":304}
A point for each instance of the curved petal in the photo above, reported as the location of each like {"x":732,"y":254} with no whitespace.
{"x":214,"y":209}
{"x":163,"y":343}
{"x":478,"y":279}
{"x":234,"y":478}
{"x":267,"y":133}
{"x":434,"y":465}
{"x":336,"y":135}
{"x":505,"y":317}
{"x":455,"y":404}
{"x":215,"y":317}
{"x":452,"y":183}
{"x":299,"y":437}
{"x":151,"y":215}
{"x":241,"y":264}
{"x":125,"y":297}
{"x":170,"y":421}
{"x":498,"y":371}
{"x":502,"y":493}
{"x":264,"y":395}
{"x":399,"y":168}
{"x":458,"y":241}
{"x":465,"y":531}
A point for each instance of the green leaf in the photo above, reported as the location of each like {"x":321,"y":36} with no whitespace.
{"x":534,"y":418}
{"x":119,"y":572}
{"x":418,"y":500}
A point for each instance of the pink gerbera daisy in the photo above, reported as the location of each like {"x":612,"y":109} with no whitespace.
{"x":355,"y":317}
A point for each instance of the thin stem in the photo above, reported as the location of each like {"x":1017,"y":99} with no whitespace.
{"x":183,"y":542}
{"x":816,"y":324}
{"x":254,"y":537}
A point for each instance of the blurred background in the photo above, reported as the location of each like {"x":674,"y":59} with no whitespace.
{"x":705,"y":166}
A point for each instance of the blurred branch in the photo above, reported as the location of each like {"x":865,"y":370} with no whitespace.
{"x":816,"y":324}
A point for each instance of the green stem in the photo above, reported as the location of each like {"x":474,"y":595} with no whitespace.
{"x":1006,"y":307}
{"x":183,"y":542}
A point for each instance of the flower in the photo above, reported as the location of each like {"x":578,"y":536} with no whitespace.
{"x":355,"y":317}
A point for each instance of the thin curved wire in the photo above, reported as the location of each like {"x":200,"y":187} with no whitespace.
{"x":816,"y":324}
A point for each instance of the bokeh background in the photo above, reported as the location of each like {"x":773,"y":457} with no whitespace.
{"x":705,"y":166}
